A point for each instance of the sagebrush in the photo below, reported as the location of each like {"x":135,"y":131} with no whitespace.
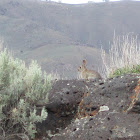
{"x":21,"y":90}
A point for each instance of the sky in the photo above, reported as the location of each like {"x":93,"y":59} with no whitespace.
{"x":80,"y":1}
{"x":77,"y":1}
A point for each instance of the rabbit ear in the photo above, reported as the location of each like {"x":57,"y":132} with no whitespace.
{"x":84,"y":62}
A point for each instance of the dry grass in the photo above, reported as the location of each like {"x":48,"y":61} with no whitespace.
{"x":124,"y":52}
{"x":55,"y":76}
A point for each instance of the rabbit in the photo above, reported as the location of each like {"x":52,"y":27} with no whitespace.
{"x":88,"y":74}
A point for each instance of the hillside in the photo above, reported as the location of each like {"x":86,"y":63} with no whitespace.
{"x":35,"y":30}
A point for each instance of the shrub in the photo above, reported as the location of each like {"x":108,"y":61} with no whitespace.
{"x":125,"y":70}
{"x":21,"y":90}
{"x":124,"y":55}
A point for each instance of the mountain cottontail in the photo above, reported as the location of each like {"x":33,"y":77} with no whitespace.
{"x":88,"y":74}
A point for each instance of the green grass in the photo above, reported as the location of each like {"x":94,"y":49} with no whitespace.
{"x":126,"y":70}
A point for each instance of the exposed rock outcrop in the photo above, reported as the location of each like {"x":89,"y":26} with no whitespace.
{"x":94,"y":110}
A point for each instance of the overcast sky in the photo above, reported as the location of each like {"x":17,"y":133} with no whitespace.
{"x":80,"y":1}
{"x":77,"y":1}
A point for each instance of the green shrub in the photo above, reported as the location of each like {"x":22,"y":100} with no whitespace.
{"x":125,"y":70}
{"x":21,"y":90}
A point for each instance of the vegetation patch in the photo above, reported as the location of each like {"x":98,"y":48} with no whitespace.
{"x":123,"y":57}
{"x":125,"y":70}
{"x":22,"y":89}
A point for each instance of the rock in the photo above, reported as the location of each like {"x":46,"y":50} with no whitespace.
{"x":93,"y":110}
{"x":64,"y":99}
{"x":65,"y":96}
{"x":115,"y":93}
{"x":103,"y":126}
{"x":129,"y":138}
{"x":134,"y":107}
